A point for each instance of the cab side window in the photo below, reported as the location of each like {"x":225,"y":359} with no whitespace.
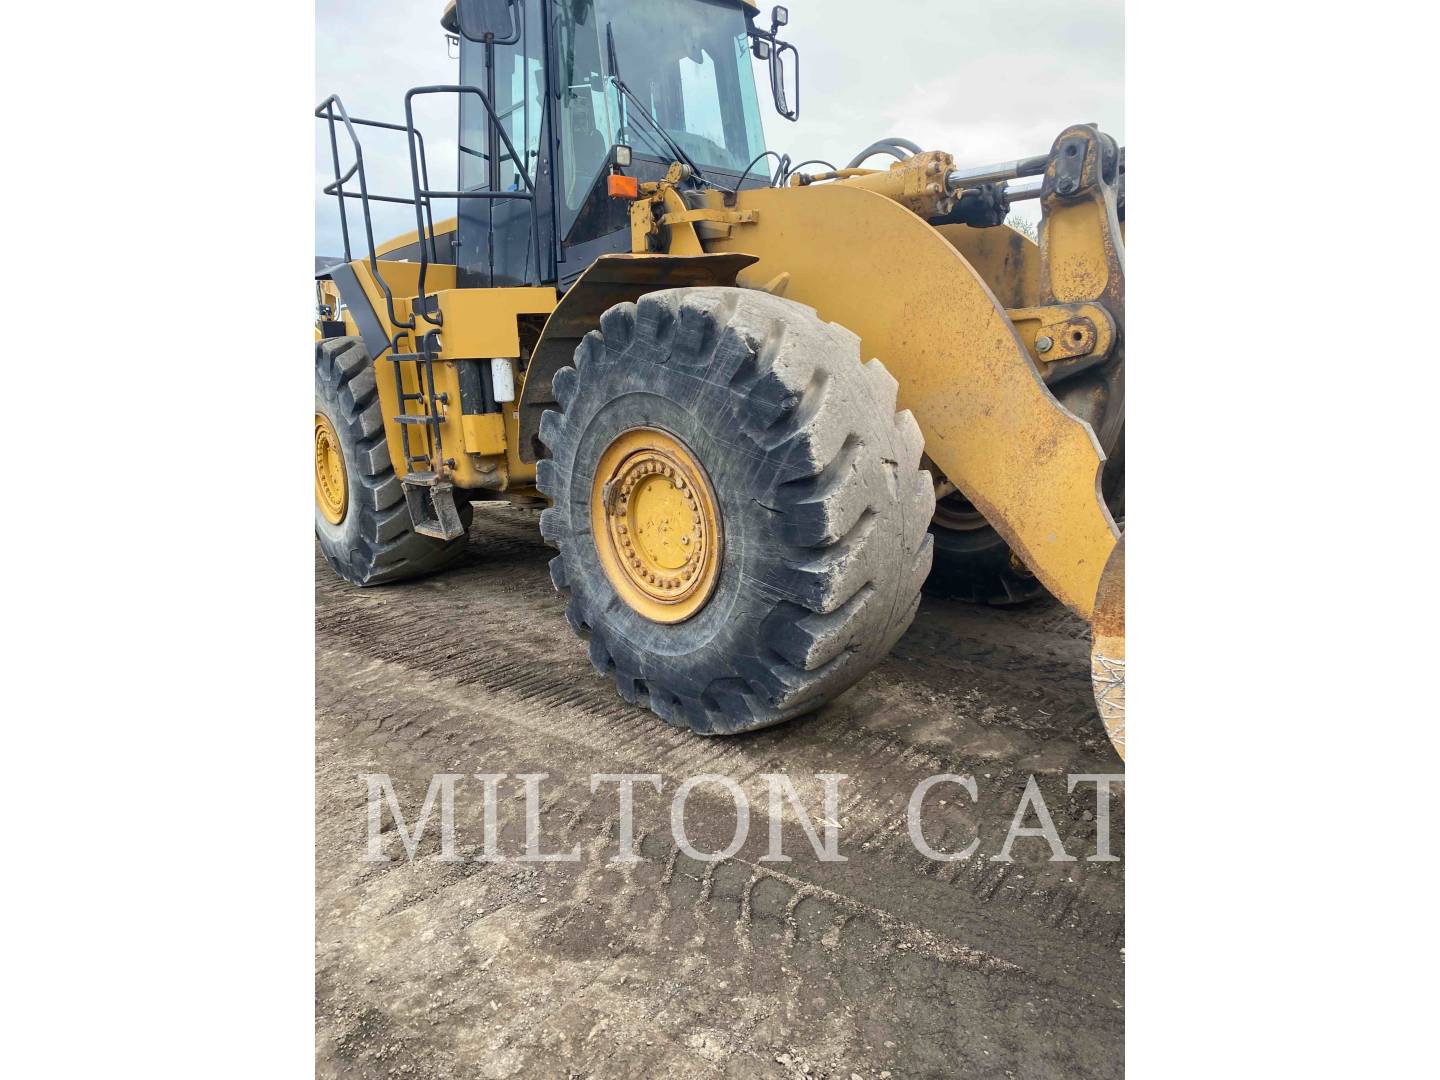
{"x":586,"y":130}
{"x":520,"y":97}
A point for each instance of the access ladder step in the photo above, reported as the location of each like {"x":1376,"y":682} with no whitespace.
{"x":431,"y":503}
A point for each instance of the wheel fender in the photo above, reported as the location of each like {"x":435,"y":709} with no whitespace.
{"x":613,"y":279}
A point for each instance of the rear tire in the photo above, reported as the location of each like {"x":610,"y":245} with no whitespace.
{"x":823,"y":509}
{"x":373,"y":542}
{"x":975,"y":565}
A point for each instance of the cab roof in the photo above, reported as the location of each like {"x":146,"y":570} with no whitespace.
{"x":448,"y":23}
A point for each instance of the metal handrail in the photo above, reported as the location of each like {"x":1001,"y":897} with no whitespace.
{"x":326,"y":111}
{"x":422,"y":199}
{"x":330,"y":189}
{"x":422,"y":185}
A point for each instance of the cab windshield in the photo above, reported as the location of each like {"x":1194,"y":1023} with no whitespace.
{"x":688,"y":63}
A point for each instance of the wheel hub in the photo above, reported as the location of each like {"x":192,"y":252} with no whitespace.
{"x":661,"y":537}
{"x":332,"y":490}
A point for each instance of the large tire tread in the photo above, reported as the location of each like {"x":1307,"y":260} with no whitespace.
{"x":375,"y":543}
{"x":847,"y":500}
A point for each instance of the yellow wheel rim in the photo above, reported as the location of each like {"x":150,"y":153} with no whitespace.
{"x":332,"y":490}
{"x":660,"y":541}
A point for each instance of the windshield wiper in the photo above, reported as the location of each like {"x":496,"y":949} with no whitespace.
{"x":675,"y":148}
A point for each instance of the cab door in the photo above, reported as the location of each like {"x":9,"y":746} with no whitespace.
{"x":499,"y":242}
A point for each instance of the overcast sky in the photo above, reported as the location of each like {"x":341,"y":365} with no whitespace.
{"x":986,"y":80}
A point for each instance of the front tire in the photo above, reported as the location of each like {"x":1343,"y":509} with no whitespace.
{"x":820,"y":507}
{"x":361,"y":520}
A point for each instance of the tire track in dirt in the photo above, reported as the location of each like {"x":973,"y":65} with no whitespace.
{"x":812,"y":970}
{"x":888,"y":733}
{"x":671,"y":965}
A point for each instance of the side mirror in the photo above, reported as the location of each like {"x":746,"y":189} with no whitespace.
{"x":783,"y":75}
{"x":784,"y":60}
{"x":487,"y":21}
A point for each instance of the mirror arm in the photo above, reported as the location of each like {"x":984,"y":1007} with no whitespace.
{"x":777,"y":79}
{"x":777,"y":69}
{"x":794,"y":113}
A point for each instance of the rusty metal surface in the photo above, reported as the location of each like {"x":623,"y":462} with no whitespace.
{"x":1059,"y":335}
{"x":1030,"y":466}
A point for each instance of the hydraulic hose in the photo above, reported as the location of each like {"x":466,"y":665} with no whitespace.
{"x":892,"y":145}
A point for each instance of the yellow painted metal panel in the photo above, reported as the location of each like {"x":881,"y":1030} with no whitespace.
{"x":1008,"y":261}
{"x":1079,"y":267}
{"x":484,"y":434}
{"x":867,"y":263}
{"x":480,"y":323}
{"x":404,"y":278}
{"x":477,"y":323}
{"x":519,"y":471}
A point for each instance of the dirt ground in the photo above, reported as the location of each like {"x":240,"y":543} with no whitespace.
{"x":886,"y":965}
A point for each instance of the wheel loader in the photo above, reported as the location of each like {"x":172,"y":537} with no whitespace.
{"x":763,"y":403}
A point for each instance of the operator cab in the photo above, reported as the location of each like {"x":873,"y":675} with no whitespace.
{"x":570,"y":82}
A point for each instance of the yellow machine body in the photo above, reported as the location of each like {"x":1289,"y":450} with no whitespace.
{"x":971,"y":322}
{"x":953,"y":312}
{"x":958,"y":315}
{"x":479,"y":324}
{"x":866,"y":262}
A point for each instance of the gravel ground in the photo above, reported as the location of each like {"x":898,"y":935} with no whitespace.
{"x":888,"y":964}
